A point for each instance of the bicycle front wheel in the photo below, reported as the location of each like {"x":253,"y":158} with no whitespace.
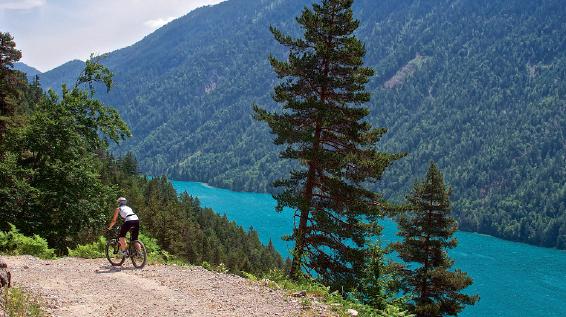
{"x":112,"y":253}
{"x":138,"y":254}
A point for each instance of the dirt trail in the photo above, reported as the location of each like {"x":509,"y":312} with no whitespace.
{"x":81,"y":287}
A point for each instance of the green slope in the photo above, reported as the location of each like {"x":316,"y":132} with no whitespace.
{"x":475,"y":85}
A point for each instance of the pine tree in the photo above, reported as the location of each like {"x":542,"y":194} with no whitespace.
{"x":322,"y":92}
{"x":379,"y":286}
{"x":427,"y":231}
{"x":8,"y":79}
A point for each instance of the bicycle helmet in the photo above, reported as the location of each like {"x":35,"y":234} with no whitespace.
{"x":121,"y":201}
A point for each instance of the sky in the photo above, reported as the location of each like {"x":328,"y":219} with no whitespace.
{"x":52,"y":32}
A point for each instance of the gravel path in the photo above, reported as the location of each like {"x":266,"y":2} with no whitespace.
{"x":81,"y":287}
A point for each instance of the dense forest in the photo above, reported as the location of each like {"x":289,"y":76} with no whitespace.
{"x":58,"y":181}
{"x":185,"y":229}
{"x":476,"y":86}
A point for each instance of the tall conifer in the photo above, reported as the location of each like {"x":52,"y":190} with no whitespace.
{"x":8,"y":79}
{"x":427,"y":231}
{"x":322,"y":91}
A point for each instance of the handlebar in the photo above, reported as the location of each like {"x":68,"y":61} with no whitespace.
{"x":112,"y":233}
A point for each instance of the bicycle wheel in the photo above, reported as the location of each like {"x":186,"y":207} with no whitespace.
{"x":112,"y":254}
{"x":139,"y":258}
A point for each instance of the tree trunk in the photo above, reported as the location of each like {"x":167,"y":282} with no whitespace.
{"x":313,"y":167}
{"x":305,"y":211}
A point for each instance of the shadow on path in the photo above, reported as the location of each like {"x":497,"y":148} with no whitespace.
{"x":105,"y":269}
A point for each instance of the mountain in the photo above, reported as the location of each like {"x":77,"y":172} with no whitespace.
{"x":64,"y":74}
{"x":475,"y":85}
{"x":28,"y":70}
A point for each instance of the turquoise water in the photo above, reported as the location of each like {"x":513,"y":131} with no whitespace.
{"x":513,"y":279}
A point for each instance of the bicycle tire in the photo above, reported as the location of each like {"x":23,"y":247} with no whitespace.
{"x":139,"y":258}
{"x":112,"y":255}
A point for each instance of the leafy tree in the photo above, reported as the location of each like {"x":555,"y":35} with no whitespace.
{"x":322,"y":125}
{"x":52,"y":164}
{"x":427,"y":231}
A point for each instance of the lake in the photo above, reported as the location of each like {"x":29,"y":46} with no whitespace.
{"x":512,"y":279}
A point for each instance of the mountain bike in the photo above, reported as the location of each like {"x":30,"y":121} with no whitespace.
{"x":116,"y":258}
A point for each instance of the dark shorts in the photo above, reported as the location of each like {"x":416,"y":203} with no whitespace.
{"x":133,"y":226}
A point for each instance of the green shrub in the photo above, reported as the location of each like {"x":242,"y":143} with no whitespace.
{"x":154,"y":252}
{"x":220,"y":268}
{"x":14,"y":243}
{"x":394,"y":311}
{"x":90,"y":251}
{"x":16,"y":303}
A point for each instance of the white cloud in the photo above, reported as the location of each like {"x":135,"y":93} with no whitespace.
{"x":21,"y":4}
{"x":42,"y":32}
{"x":157,"y":23}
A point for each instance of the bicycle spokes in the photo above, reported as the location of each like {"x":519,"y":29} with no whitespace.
{"x":112,"y":253}
{"x":138,"y":254}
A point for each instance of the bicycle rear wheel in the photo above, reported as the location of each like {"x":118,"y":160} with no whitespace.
{"x":139,"y":258}
{"x":112,"y":253}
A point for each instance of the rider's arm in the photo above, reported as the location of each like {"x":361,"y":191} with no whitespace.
{"x":113,"y":222}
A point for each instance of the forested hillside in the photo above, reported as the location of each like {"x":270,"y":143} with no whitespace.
{"x":58,"y":183}
{"x":476,"y":86}
{"x":184,"y":228}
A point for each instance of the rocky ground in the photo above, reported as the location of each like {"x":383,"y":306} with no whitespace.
{"x":81,"y":287}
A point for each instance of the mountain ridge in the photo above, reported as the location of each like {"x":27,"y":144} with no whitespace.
{"x":30,"y":71}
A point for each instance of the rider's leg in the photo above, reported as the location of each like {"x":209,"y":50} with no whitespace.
{"x":136,"y":244}
{"x":123,"y":245}
{"x":134,"y":234}
{"x":123,"y":230}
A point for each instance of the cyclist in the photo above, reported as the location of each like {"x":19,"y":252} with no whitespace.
{"x":131,"y":223}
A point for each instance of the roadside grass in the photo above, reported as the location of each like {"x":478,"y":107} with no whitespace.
{"x":17,"y":303}
{"x":313,"y":290}
{"x":220,"y":268}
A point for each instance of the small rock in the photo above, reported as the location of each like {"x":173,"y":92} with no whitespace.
{"x":26,"y":267}
{"x":352,"y":312}
{"x":299,"y":294}
{"x":5,"y":275}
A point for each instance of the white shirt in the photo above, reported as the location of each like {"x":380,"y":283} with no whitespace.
{"x":125,"y":211}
